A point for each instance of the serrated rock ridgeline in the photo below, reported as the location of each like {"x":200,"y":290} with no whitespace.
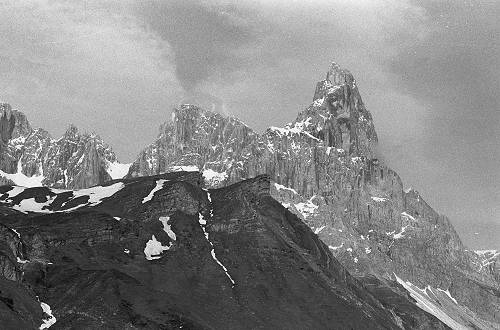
{"x":327,"y":171}
{"x":31,"y":157}
{"x":324,"y":167}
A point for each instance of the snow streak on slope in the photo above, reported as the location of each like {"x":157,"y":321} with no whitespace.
{"x":159,"y":185}
{"x":167,"y":228}
{"x":96,"y":194}
{"x":203,"y":224}
{"x":280,"y":187}
{"x":424,"y":302}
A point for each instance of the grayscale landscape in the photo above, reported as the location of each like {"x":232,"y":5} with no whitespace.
{"x":249,"y":165}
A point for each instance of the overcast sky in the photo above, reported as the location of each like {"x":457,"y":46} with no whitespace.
{"x":427,"y":70}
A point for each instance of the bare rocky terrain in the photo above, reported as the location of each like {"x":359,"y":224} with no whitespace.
{"x":164,"y":253}
{"x":324,"y":170}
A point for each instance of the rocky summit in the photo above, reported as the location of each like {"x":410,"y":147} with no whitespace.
{"x":30,"y":157}
{"x":326,"y":170}
{"x":302,"y":227}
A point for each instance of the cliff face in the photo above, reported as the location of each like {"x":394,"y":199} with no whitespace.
{"x":30,"y":157}
{"x":325,"y":169}
{"x":162,"y":252}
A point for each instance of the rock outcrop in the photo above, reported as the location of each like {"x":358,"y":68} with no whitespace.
{"x":30,"y":157}
{"x":326,"y":170}
{"x":162,"y":252}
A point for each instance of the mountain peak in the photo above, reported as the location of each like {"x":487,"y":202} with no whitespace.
{"x":71,"y":131}
{"x":336,"y":79}
{"x":13,"y":123}
{"x":339,"y":76}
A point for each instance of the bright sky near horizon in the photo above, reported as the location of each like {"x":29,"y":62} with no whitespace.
{"x":429,"y":72}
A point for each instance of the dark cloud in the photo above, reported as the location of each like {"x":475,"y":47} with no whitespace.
{"x":202,"y":38}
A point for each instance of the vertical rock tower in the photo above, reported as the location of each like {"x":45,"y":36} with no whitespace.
{"x":326,"y":170}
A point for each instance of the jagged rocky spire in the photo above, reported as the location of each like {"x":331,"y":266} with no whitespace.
{"x":326,"y":170}
{"x":31,"y":157}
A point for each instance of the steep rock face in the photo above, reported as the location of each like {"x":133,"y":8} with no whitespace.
{"x":327,"y":171}
{"x":196,"y":138}
{"x":30,"y":157}
{"x":13,"y":126}
{"x":163,"y":253}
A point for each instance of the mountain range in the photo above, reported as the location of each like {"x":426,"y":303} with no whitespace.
{"x":315,"y":231}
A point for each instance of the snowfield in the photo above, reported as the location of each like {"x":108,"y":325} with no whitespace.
{"x":117,"y":170}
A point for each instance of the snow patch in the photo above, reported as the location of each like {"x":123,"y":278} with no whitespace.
{"x":408,"y":216}
{"x":97,"y":194}
{"x":379,"y":199}
{"x":400,"y":234}
{"x":117,"y":170}
{"x":30,"y":205}
{"x":424,"y":302}
{"x":20,"y":179}
{"x":307,"y":209}
{"x":407,"y":190}
{"x":47,"y":322}
{"x":281,"y":187}
{"x":318,"y":230}
{"x":318,"y":102}
{"x":159,"y":186}
{"x":22,"y":261}
{"x":167,"y":228}
{"x":214,"y":178}
{"x":154,"y":249}
{"x":298,"y":128}
{"x":335,"y":247}
{"x":16,"y":190}
{"x":355,"y":160}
